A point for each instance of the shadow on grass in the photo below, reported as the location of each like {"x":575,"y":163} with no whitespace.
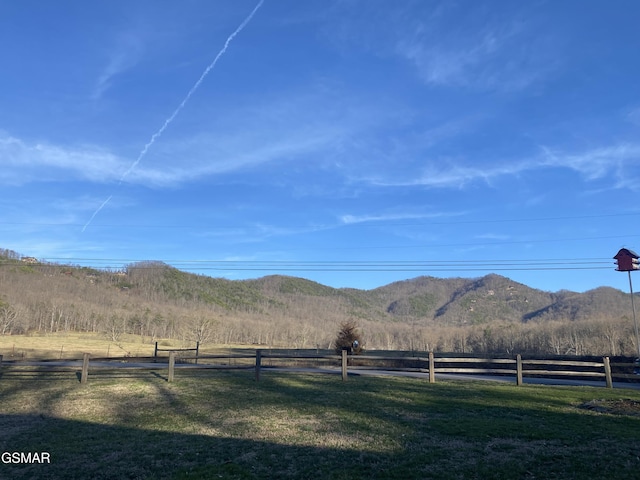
{"x":82,"y":450}
{"x":225,"y":425}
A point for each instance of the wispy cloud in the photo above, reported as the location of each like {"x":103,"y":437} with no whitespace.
{"x":633,"y":116}
{"x":486,"y":59}
{"x":126,"y":53}
{"x":617,"y":162}
{"x":387,"y":217}
{"x":249,"y":141}
{"x":229,"y":151}
{"x":450,"y":175}
{"x":306,"y":129}
{"x":493,"y":236}
{"x":453,"y":45}
{"x":24,"y":162}
{"x":275,"y":130}
{"x":262,"y":143}
{"x":254,"y":233}
{"x":620,"y":162}
{"x":439,"y":64}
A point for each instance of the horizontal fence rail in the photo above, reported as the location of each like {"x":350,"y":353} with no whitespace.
{"x":426,"y":365}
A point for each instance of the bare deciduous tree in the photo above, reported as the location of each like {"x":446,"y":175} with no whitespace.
{"x":8,"y":316}
{"x":201,"y":329}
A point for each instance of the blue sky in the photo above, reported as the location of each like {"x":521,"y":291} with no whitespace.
{"x":351,"y":142}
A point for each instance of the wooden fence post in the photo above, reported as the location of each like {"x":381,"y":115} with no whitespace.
{"x":518,"y":369}
{"x":85,"y":368}
{"x":432,"y":369}
{"x":197,"y":350}
{"x":344,"y":364}
{"x":155,"y":351}
{"x":258,"y":364}
{"x":607,"y":372}
{"x":172,"y":365}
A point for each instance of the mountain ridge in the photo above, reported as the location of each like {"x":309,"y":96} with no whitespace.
{"x":155,"y":299}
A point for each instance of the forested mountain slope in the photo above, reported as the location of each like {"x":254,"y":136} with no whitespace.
{"x":153,"y":299}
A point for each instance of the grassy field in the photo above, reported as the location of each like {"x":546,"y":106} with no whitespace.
{"x":223,"y":424}
{"x":73,"y":345}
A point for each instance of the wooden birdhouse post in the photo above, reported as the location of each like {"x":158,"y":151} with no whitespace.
{"x":628,"y":261}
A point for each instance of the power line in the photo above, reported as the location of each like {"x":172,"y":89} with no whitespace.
{"x":425,"y":266}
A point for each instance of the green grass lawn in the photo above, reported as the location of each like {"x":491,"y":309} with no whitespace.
{"x":223,"y":424}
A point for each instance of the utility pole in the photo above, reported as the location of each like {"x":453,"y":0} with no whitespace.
{"x":633,"y":308}
{"x":628,"y":261}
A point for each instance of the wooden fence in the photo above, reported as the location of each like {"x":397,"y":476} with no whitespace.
{"x":197,"y":349}
{"x":427,"y":366}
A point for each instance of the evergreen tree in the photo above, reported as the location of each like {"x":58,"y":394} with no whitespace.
{"x":349,"y":338}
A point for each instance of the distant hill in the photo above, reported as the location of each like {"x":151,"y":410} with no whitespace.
{"x":155,"y":299}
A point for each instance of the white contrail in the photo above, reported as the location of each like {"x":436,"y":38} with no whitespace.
{"x":175,"y":113}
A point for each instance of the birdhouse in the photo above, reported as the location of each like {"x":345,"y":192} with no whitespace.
{"x":627,"y":260}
